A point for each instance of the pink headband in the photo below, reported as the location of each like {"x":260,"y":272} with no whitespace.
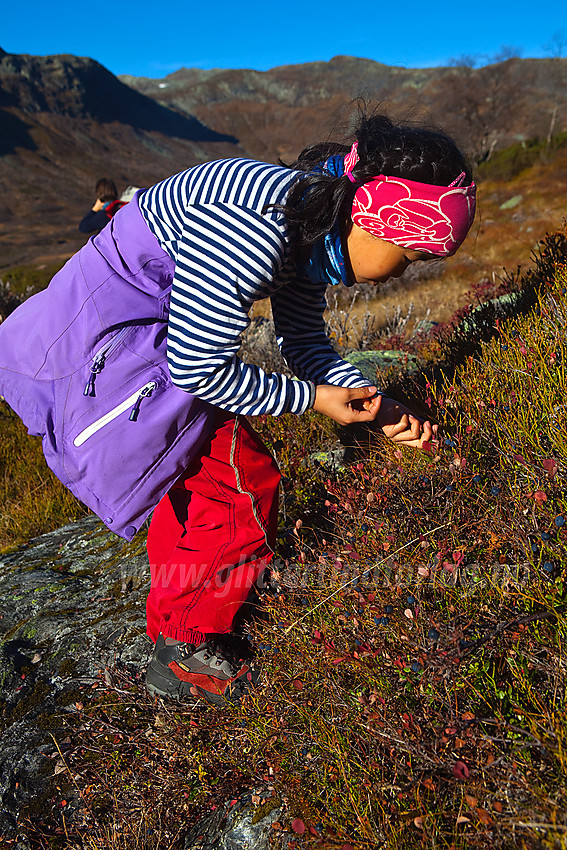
{"x":418,"y":216}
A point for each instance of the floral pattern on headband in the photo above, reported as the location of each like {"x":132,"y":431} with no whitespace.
{"x":420,"y":216}
{"x":415,"y":215}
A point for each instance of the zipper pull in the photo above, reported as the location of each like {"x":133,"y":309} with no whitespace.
{"x":89,"y":389}
{"x":96,"y":367}
{"x":145,"y":392}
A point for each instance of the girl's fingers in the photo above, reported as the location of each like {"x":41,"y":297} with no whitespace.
{"x":415,"y":435}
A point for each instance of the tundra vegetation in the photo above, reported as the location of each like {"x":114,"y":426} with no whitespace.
{"x":412,"y":632}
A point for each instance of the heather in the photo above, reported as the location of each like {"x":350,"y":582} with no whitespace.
{"x":413,"y":628}
{"x":412,"y":631}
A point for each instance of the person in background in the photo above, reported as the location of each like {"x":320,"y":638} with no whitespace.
{"x":106,"y":205}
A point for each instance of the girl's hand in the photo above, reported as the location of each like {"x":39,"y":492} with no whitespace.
{"x":347,"y":405}
{"x":400,"y":425}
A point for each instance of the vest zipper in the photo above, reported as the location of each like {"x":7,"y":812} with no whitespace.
{"x":99,"y":358}
{"x":134,"y":401}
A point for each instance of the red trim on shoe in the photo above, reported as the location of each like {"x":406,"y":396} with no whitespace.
{"x":206,"y":682}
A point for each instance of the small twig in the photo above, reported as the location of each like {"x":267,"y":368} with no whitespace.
{"x":545,"y":826}
{"x":512,"y":624}
{"x":62,"y":757}
{"x":73,"y":780}
{"x":356,"y":577}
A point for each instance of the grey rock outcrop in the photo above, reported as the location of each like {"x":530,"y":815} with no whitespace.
{"x":71,"y":605}
{"x":72,"y":611}
{"x":237,"y":826}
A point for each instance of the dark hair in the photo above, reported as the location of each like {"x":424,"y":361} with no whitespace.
{"x":318,"y":199}
{"x":106,"y":190}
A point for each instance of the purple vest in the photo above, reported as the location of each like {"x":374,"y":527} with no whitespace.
{"x":83,"y":363}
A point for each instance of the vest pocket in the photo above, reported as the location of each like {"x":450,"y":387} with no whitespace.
{"x":132,"y":403}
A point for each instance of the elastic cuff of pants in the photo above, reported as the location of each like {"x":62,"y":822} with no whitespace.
{"x":169,"y":630}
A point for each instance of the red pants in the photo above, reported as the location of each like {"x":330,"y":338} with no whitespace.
{"x":212,"y":535}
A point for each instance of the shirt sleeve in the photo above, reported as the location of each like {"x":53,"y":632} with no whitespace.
{"x":300,"y":329}
{"x":93,"y":221}
{"x":226,"y":257}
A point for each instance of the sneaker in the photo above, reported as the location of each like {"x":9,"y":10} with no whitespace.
{"x":221,"y":669}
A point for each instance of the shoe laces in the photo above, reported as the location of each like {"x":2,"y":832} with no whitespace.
{"x":226,"y":648}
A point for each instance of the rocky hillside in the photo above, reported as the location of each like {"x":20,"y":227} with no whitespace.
{"x":65,"y":122}
{"x":278,"y":111}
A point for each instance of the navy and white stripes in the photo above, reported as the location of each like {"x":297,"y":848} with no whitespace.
{"x":231,"y":251}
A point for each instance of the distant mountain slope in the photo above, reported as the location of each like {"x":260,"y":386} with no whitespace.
{"x":65,"y":122}
{"x":486,"y":107}
{"x":83,"y":89}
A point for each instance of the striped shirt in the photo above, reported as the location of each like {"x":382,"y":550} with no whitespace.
{"x":230,"y":251}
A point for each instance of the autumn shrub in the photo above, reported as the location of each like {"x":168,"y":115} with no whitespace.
{"x":509,"y":162}
{"x":25,"y":280}
{"x":412,"y":635}
{"x":9,"y":300}
{"x":415,"y":688}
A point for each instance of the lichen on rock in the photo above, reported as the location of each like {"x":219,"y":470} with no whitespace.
{"x":60,"y":626}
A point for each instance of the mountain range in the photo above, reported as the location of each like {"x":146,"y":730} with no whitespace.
{"x":65,"y":121}
{"x":273,"y":113}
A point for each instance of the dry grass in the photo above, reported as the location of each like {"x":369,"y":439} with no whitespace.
{"x":415,"y":677}
{"x":415,"y":661}
{"x":33,"y":500}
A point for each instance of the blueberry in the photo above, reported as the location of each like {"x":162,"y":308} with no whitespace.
{"x":389,"y":609}
{"x":477,"y":479}
{"x":384,"y":621}
{"x":364,"y":527}
{"x":411,"y":600}
{"x":535,"y":548}
{"x":545,"y":535}
{"x":495,"y":490}
{"x":416,"y":667}
{"x":559,"y":521}
{"x":450,"y":488}
{"x":433,"y":634}
{"x":547,"y":567}
{"x":504,"y":348}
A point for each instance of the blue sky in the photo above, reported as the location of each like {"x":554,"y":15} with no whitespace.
{"x":153,"y":39}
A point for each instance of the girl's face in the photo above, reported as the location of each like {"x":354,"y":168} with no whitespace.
{"x":373,"y":260}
